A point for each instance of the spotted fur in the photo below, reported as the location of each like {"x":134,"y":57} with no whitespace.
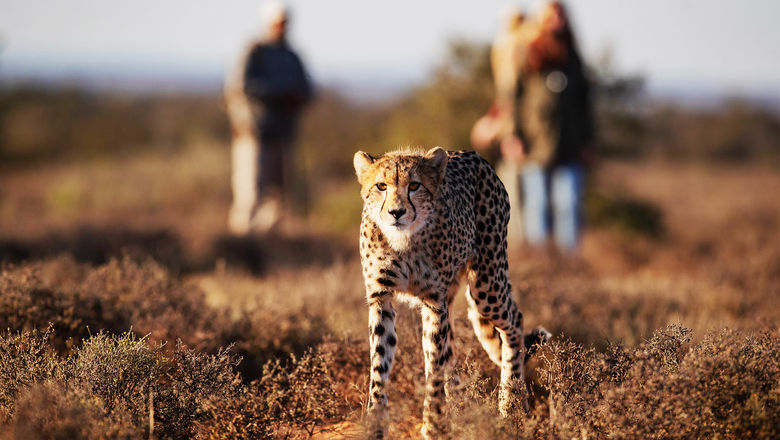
{"x":430,"y":221}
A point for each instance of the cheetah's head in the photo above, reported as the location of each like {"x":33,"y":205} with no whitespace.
{"x":399,"y":190}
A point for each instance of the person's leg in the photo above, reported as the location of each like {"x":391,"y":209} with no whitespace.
{"x":270,"y":185}
{"x":510,"y":175}
{"x":535,"y":204}
{"x":243,"y":182}
{"x":566,"y":189}
{"x":288,"y":180}
{"x":271,"y":162}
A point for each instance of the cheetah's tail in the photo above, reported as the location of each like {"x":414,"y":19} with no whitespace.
{"x":535,"y":339}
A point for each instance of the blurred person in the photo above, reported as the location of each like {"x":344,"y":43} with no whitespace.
{"x":497,"y":127}
{"x":554,"y":127}
{"x":507,"y":55}
{"x":265,"y":96}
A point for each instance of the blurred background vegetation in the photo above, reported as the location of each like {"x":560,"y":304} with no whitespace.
{"x":39,"y":123}
{"x":50,"y":124}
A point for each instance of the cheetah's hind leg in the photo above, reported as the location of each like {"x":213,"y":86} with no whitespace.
{"x":535,"y":340}
{"x":488,"y":334}
{"x":485,"y":330}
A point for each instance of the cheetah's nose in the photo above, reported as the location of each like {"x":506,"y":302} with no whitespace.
{"x":397,"y":213}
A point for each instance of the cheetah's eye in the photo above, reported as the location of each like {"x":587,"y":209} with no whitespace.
{"x":381,"y":186}
{"x":414,"y":186}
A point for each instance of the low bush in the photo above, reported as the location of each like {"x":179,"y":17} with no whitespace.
{"x":723,"y":387}
{"x":121,"y":386}
{"x":78,"y":301}
{"x":69,"y":369}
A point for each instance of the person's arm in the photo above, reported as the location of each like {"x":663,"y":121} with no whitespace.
{"x":587,"y":110}
{"x":256,"y":85}
{"x":304,"y":92}
{"x":587,"y":147}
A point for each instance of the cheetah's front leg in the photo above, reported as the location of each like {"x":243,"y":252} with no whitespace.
{"x":438,"y":352}
{"x":383,"y":341}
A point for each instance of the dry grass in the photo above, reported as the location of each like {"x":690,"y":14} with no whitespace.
{"x":666,"y":336}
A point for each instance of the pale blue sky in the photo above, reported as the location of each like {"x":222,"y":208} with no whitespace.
{"x":724,"y":45}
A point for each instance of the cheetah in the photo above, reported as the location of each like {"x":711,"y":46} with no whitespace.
{"x":429,"y":221}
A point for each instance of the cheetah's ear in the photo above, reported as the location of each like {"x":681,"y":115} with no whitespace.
{"x":436,"y":162}
{"x":362,"y":161}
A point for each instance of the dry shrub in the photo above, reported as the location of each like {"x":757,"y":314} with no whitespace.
{"x":723,"y":387}
{"x":303,"y":396}
{"x":25,"y":359}
{"x":145,"y":296}
{"x":473,"y":403}
{"x":55,"y":411}
{"x":112,"y":385}
{"x":127,"y":373}
{"x":27,"y":303}
{"x":113,"y":297}
{"x":79,"y":300}
{"x":348,"y":367}
{"x":285,"y":402}
{"x":191,"y":381}
{"x":97,"y":392}
{"x":265,"y":335}
{"x":120,"y":371}
{"x":105,"y":388}
{"x":593,"y":312}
